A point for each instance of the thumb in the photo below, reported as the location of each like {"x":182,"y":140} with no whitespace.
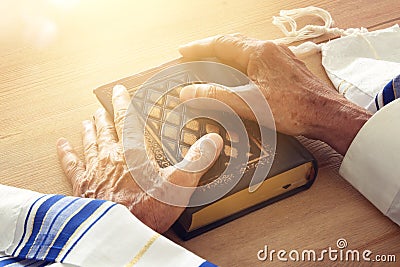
{"x":198,"y":160}
{"x":234,"y":97}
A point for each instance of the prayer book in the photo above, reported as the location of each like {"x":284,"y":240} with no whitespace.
{"x":286,"y":166}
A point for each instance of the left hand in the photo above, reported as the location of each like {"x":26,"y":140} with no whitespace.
{"x":105,"y":174}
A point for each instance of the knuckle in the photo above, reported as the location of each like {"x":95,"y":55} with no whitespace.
{"x":80,"y":187}
{"x":115,"y":96}
{"x":219,"y":38}
{"x":111,"y":159}
{"x":87,"y":130}
{"x":72,"y":166}
{"x":99,"y":113}
{"x":106,"y":130}
{"x":238,"y":35}
{"x":104,"y":158}
{"x":119,"y":116}
{"x":91,"y":147}
{"x":226,"y":39}
{"x":269,"y":46}
{"x":212,"y":91}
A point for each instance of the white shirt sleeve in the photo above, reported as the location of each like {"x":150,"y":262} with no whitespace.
{"x":38,"y":229}
{"x":372,"y":163}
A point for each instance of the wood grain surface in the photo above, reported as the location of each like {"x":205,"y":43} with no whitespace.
{"x":55,"y":52}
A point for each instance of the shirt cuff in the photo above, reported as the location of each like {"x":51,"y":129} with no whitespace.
{"x":372,"y":163}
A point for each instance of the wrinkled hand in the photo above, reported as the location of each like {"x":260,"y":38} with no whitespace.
{"x":104,"y":173}
{"x":294,"y":94}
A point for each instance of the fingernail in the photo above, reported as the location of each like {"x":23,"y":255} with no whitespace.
{"x":98,"y":113}
{"x":188,"y":92}
{"x":86,"y":123}
{"x":186,"y":50}
{"x":183,"y":46}
{"x":62,"y":142}
{"x":215,"y":140}
{"x":118,"y":89}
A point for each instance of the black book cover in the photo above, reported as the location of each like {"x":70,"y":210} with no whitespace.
{"x":293,"y":168}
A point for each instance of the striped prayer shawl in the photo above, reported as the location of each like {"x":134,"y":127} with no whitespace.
{"x":389,"y":93}
{"x":57,"y":230}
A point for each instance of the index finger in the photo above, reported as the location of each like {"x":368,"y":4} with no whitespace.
{"x":71,"y":164}
{"x":232,"y":48}
{"x":120,"y":100}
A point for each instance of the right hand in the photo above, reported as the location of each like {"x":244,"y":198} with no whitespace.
{"x":301,"y":104}
{"x":294,"y":94}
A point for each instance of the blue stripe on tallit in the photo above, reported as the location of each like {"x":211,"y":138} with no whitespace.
{"x":70,"y":228}
{"x":207,"y":264}
{"x":25,"y":224}
{"x":26,"y":263}
{"x":35,"y":263}
{"x":396,"y":86}
{"x":44,"y":264}
{"x":388,"y":93}
{"x":376,"y":102}
{"x":59,"y":224}
{"x":30,"y":263}
{"x":37,"y":223}
{"x":45,"y":240}
{"x":391,"y":91}
{"x":76,"y":242}
{"x":9,"y":261}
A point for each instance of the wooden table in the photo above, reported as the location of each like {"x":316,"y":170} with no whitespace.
{"x":54,"y":52}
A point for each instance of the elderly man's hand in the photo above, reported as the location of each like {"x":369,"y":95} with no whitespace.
{"x":301,"y":103}
{"x":105,"y":175}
